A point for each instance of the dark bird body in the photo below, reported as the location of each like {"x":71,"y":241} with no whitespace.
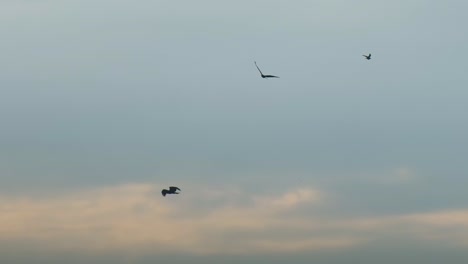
{"x":265,"y":76}
{"x":367,"y":56}
{"x":172,"y":190}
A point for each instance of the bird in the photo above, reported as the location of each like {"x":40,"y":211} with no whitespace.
{"x":265,"y":76}
{"x":172,"y":190}
{"x":367,"y":56}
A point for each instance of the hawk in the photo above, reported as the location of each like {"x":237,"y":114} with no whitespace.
{"x":264,"y":76}
{"x":172,"y":190}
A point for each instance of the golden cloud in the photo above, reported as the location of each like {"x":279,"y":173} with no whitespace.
{"x":136,"y":217}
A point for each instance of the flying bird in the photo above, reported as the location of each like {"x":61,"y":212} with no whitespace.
{"x":367,"y":56}
{"x":172,"y":190}
{"x":265,"y":76}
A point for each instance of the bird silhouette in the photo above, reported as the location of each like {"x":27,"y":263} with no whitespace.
{"x":172,"y":190}
{"x":264,"y":76}
{"x":367,"y":56}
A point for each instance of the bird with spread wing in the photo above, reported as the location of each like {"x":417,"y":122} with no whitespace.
{"x":264,"y":76}
{"x":172,"y":190}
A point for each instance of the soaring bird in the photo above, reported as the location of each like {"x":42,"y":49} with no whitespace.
{"x":265,"y":76}
{"x":172,"y":190}
{"x":367,"y":56}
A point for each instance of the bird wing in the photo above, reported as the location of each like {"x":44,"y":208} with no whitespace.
{"x":258,"y":68}
{"x":163,"y":192}
{"x":173,"y":188}
{"x":272,"y":76}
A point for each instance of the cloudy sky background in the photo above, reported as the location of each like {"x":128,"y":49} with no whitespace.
{"x":341,"y":160}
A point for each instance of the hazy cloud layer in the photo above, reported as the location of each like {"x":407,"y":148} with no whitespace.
{"x":136,"y":218}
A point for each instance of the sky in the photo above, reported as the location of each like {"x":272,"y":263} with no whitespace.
{"x":340,"y":160}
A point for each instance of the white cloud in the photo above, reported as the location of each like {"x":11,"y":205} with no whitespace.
{"x":400,"y":175}
{"x":136,"y":217}
{"x":290,"y":199}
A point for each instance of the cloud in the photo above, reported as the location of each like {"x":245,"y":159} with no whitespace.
{"x":400,"y":175}
{"x":135,"y":217}
{"x":403,"y":175}
{"x":290,"y":199}
{"x":448,"y":227}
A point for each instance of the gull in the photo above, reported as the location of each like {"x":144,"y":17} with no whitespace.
{"x":265,"y":76}
{"x":172,"y":190}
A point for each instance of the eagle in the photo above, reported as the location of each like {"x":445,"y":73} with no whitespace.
{"x":172,"y":190}
{"x":264,"y":76}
